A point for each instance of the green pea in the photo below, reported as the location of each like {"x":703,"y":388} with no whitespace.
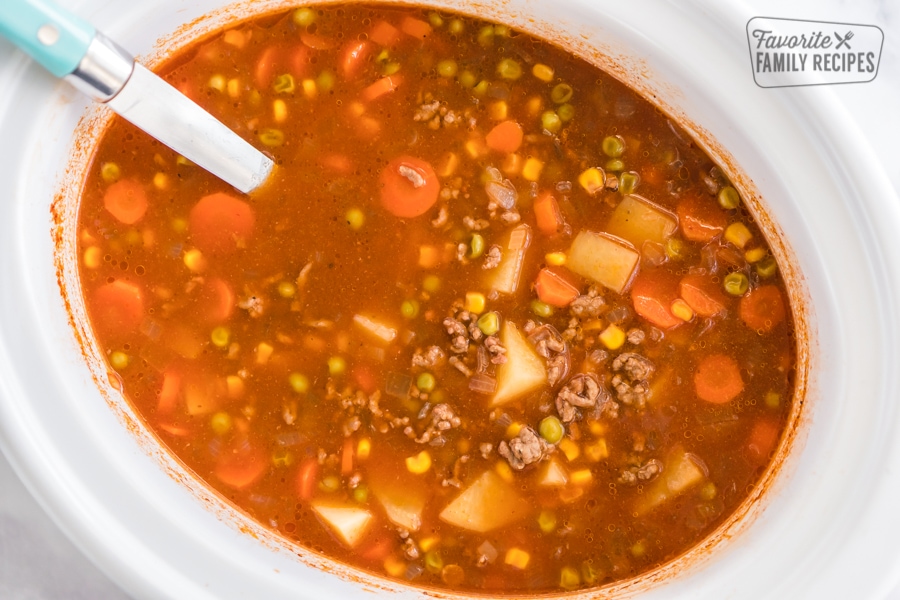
{"x":675,"y":249}
{"x":304,"y":17}
{"x":220,"y":336}
{"x":361,"y":493}
{"x":509,"y":69}
{"x":118,"y":360}
{"x":409,"y":309}
{"x":736,"y":284}
{"x":467,"y":79}
{"x":489,"y":323}
{"x":425,"y":382}
{"x":566,"y":112}
{"x":615,"y":165}
{"x":561,"y":93}
{"x":767,"y":267}
{"x":435,"y":19}
{"x":729,"y":198}
{"x":355,"y":218}
{"x":433,"y":561}
{"x":299,"y":382}
{"x":286,"y":289}
{"x":271,"y":137}
{"x":476,"y":246}
{"x":541,"y":309}
{"x":551,"y":121}
{"x":330,"y":483}
{"x":551,"y":429}
{"x":284,"y":84}
{"x":110,"y":172}
{"x":613,"y":146}
{"x":337,"y":365}
{"x":390,"y":68}
{"x":431,"y":283}
{"x":220,"y":423}
{"x":282,"y":457}
{"x":447,"y":68}
{"x":628,"y":182}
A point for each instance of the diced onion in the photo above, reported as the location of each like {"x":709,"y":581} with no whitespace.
{"x":502,"y":192}
{"x":397,"y":385}
{"x":482,"y":384}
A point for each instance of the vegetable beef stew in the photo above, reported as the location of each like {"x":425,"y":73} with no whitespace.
{"x":496,"y":324}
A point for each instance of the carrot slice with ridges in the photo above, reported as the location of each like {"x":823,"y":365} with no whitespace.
{"x":718,"y":379}
{"x":546,"y":214}
{"x":409,"y":187}
{"x":126,"y":200}
{"x":505,"y":137}
{"x":553,"y":289}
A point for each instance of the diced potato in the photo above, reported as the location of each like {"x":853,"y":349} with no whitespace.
{"x":609,"y":261}
{"x":505,"y":278}
{"x":553,"y":475}
{"x":486,"y":504}
{"x":638,"y":220}
{"x":402,"y":498}
{"x":349,"y":523}
{"x":523,"y":371}
{"x":377,"y":330}
{"x":681,"y":473}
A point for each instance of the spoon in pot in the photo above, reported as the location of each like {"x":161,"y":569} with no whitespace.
{"x":73,"y":49}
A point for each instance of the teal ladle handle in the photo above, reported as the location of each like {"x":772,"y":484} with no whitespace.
{"x":55,"y":38}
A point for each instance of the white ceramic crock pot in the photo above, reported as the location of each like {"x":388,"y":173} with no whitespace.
{"x":826,"y":526}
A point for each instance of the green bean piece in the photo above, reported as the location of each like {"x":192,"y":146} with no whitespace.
{"x":613,"y":146}
{"x":304,"y":17}
{"x":767,"y":267}
{"x":284,"y":84}
{"x":628,"y":182}
{"x":220,"y":336}
{"x":551,"y":122}
{"x":390,"y":68}
{"x":736,"y":284}
{"x":282,"y":457}
{"x":425,"y":382}
{"x":551,"y":429}
{"x":482,"y":87}
{"x":489,"y":323}
{"x":541,"y":309}
{"x":729,"y":198}
{"x":476,"y":246}
{"x":299,"y":382}
{"x":409,"y":309}
{"x":561,"y":93}
{"x":509,"y":69}
{"x":433,"y":561}
{"x":361,"y":493}
{"x":447,"y":68}
{"x":286,"y":289}
{"x":566,"y":112}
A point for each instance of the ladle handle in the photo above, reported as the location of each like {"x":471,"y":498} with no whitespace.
{"x":54,"y":37}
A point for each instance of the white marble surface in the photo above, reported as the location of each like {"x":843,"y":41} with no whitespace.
{"x":37,"y":562}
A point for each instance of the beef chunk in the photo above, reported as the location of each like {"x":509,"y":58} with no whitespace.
{"x":524,"y":449}
{"x":432,"y":357}
{"x":588,"y":306}
{"x":582,"y":391}
{"x":642,"y":473}
{"x":635,"y":366}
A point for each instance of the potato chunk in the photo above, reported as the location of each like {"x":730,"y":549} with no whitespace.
{"x":681,"y":472}
{"x":523,"y":371}
{"x":610,"y":261}
{"x":403,"y":504}
{"x":348,"y":523}
{"x":486,"y":504}
{"x":638,"y":220}
{"x":505,"y":277}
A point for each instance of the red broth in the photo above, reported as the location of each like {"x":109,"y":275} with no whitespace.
{"x":496,"y":324}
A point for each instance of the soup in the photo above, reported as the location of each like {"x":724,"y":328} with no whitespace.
{"x":495,"y":324}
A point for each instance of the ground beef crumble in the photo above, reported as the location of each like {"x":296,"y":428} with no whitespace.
{"x":524,"y":449}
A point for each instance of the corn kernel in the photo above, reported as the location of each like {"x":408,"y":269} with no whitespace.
{"x":555,"y":259}
{"x":194,"y":260}
{"x":532,"y":168}
{"x":309,"y":88}
{"x":682,"y":309}
{"x":596,"y":451}
{"x":581,"y":477}
{"x":613,"y":337}
{"x":475,"y":302}
{"x":543,"y":72}
{"x":596,"y":428}
{"x":235,"y":38}
{"x":235,"y":386}
{"x":394,"y":566}
{"x":516,"y":557}
{"x":534,"y":106}
{"x":93,"y":257}
{"x":512,"y":164}
{"x":738,"y":234}
{"x":504,"y":471}
{"x":426,"y":544}
{"x":570,"y":449}
{"x":217,"y":82}
{"x":498,"y":110}
{"x":363,"y":449}
{"x":420,"y":463}
{"x":476,"y":148}
{"x":593,"y":325}
{"x":161,"y":181}
{"x":755,"y":255}
{"x":279,"y":110}
{"x":234,"y":87}
{"x":513,"y":430}
{"x":447,"y":165}
{"x":592,"y":180}
{"x":263,"y":352}
{"x":569,"y":578}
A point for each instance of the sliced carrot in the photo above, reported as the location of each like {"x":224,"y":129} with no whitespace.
{"x":652,"y":294}
{"x":175,"y":430}
{"x":718,"y":379}
{"x":703,"y":295}
{"x":265,"y":67}
{"x":347,"y":456}
{"x":763,"y":308}
{"x":354,"y":55}
{"x":417,"y":28}
{"x":762,"y":440}
{"x":299,"y":60}
{"x":215,"y":300}
{"x":546,"y":214}
{"x":168,"y":394}
{"x":306,"y":478}
{"x":384,"y":34}
{"x":409,"y":187}
{"x":701,"y":219}
{"x":119,"y":307}
{"x":365,"y":378}
{"x":381,"y":87}
{"x":553,"y":289}
{"x":239,"y":469}
{"x":219,"y":223}
{"x":505,"y":137}
{"x":126,"y":200}
{"x":340,"y":163}
{"x":316,"y":41}
{"x":378,"y":550}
